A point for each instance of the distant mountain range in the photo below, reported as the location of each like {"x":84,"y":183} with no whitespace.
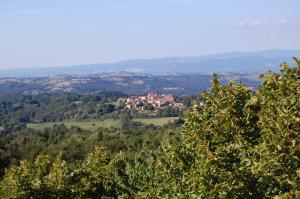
{"x":235,"y":62}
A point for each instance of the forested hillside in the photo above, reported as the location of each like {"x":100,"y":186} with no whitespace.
{"x":238,"y":143}
{"x":128,"y":83}
{"x":22,"y":109}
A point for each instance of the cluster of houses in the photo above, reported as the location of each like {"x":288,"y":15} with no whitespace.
{"x":156,"y":100}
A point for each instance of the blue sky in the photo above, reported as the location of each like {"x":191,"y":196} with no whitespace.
{"x":37,"y":33}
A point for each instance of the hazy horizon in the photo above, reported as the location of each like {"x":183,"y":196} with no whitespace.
{"x":139,"y":59}
{"x":63,"y":32}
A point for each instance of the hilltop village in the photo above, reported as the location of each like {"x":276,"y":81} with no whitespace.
{"x":150,"y":101}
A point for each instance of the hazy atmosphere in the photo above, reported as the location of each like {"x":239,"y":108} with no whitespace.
{"x":40,"y":33}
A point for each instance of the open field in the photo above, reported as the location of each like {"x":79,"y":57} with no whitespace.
{"x":90,"y":125}
{"x":94,"y":124}
{"x":155,"y":121}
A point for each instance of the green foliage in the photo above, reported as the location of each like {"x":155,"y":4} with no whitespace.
{"x":149,"y":107}
{"x":17,"y":110}
{"x":222,"y":134}
{"x":278,"y":154}
{"x":98,"y":176}
{"x":237,"y":144}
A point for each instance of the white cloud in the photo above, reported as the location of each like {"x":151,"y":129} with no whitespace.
{"x":262,"y":23}
{"x":257,"y":23}
{"x":281,"y":21}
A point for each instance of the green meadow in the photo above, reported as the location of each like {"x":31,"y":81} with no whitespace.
{"x":156,"y":121}
{"x":94,"y":124}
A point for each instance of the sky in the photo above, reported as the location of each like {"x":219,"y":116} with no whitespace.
{"x":43,"y":33}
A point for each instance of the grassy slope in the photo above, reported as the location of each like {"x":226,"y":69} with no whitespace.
{"x":155,"y":121}
{"x":91,"y":125}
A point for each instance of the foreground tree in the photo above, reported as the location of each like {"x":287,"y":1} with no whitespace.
{"x":98,"y":176}
{"x":240,"y":144}
{"x":278,"y":153}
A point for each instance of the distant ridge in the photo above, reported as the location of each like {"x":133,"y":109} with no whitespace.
{"x":233,"y":62}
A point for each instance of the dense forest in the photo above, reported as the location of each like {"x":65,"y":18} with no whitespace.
{"x":238,"y":143}
{"x":17,"y":110}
